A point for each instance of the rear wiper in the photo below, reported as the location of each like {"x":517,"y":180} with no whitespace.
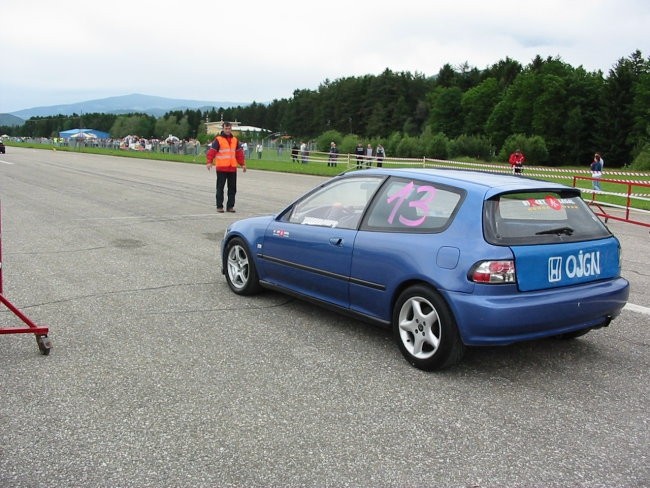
{"x":558,"y":230}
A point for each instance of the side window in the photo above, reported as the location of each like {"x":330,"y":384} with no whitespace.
{"x":340,"y":204}
{"x":413,"y":206}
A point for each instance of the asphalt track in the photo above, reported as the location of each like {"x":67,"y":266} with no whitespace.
{"x":160,"y":377}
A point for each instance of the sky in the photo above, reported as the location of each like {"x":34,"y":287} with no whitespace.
{"x":259,"y":50}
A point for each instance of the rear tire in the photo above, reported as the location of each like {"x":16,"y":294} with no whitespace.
{"x":241,"y":273}
{"x":425,"y":329}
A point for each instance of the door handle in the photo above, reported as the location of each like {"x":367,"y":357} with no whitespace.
{"x":336,"y":241}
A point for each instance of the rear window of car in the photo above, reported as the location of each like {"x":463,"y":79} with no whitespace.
{"x":539,"y":218}
{"x":404,"y":205}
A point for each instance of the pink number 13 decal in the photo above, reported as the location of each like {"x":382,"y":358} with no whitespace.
{"x":429,"y":193}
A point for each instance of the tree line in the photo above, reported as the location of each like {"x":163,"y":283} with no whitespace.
{"x":557,"y":114}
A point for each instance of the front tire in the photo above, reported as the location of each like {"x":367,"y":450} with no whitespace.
{"x":241,"y":273}
{"x":425,"y":329}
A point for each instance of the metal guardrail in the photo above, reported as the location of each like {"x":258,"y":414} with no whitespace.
{"x":602,"y":208}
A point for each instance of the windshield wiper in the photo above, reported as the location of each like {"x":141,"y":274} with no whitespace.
{"x":558,"y":230}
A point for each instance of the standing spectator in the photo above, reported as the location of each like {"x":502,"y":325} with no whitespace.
{"x":226,"y":153}
{"x":359,"y":152}
{"x":369,"y":156}
{"x":244,"y":147}
{"x":195,"y":148}
{"x":516,"y":161}
{"x":294,"y":153}
{"x":334,"y":153}
{"x":304,"y":154}
{"x":596,"y":172}
{"x":380,"y":154}
{"x":260,"y":148}
{"x":280,"y":148}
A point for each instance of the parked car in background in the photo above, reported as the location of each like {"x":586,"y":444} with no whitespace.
{"x":446,"y":258}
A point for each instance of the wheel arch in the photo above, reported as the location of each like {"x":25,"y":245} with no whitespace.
{"x":414,"y":282}
{"x":224,"y":247}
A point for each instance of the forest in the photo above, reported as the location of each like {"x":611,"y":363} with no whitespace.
{"x":556,"y":113}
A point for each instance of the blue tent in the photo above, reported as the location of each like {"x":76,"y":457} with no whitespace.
{"x":67,"y":134}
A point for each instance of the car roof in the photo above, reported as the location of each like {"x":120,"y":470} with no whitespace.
{"x":492,"y":183}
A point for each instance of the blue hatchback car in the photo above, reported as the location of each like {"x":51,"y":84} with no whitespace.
{"x":446,"y":258}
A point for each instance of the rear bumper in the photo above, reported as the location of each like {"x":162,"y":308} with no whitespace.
{"x":503,"y":315}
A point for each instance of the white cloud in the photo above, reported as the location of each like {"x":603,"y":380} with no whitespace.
{"x":260,"y":50}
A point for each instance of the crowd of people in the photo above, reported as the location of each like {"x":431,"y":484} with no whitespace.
{"x":172,"y":145}
{"x":365,"y":156}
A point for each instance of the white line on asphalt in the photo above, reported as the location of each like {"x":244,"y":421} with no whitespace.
{"x":637,"y":308}
{"x":132,"y":217}
{"x":5,"y":162}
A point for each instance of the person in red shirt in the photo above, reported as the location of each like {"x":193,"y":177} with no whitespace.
{"x":225,"y":154}
{"x":516,"y":161}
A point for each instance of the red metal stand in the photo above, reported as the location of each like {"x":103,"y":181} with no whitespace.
{"x":44,"y":342}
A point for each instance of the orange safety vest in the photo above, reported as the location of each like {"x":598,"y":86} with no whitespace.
{"x":225,"y":157}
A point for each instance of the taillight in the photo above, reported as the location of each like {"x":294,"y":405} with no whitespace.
{"x":494,"y":272}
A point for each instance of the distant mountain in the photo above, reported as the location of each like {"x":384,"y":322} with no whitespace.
{"x":155,"y":106}
{"x":10,"y":120}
